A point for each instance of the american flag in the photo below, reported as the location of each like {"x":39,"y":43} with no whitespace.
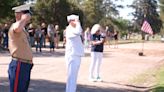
{"x":146,"y":28}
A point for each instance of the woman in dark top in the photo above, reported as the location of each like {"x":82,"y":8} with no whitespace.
{"x":115,"y":39}
{"x":44,"y":31}
{"x":97,"y":46}
{"x":5,"y":36}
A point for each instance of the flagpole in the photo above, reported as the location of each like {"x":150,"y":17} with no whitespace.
{"x":142,"y":48}
{"x":143,"y":42}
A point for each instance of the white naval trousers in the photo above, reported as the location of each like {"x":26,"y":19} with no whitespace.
{"x":96,"y":58}
{"x":73,"y":65}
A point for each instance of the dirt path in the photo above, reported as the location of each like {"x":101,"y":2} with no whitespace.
{"x":118,"y":67}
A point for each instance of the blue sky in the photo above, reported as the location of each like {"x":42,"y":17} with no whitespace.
{"x":125,"y":11}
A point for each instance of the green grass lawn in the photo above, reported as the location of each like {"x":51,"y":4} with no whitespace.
{"x":153,"y":78}
{"x":159,"y":87}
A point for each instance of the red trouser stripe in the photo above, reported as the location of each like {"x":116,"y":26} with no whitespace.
{"x":17,"y":77}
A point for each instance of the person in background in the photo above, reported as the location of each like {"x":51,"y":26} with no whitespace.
{"x":64,"y":37}
{"x":87,"y":38}
{"x":73,"y":52}
{"x":39,"y":38}
{"x":57,"y":38}
{"x":44,"y":31}
{"x":51,"y":35}
{"x":107,"y":35}
{"x":31,"y":32}
{"x":115,"y":35}
{"x":5,"y":36}
{"x":1,"y":34}
{"x":97,"y":46}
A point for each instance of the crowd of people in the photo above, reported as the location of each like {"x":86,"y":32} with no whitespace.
{"x":44,"y":33}
{"x":4,"y":35}
{"x":20,"y":38}
{"x":40,"y":35}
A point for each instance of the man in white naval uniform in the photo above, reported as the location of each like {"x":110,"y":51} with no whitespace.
{"x":74,"y":51}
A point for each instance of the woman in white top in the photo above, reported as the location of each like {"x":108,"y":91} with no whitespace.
{"x":87,"y":38}
{"x":51,"y":35}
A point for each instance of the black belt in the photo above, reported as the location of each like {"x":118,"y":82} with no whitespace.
{"x":19,"y":59}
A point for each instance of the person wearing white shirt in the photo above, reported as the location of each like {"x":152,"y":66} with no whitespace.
{"x":74,"y":51}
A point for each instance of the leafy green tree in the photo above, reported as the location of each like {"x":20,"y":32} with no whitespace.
{"x":162,"y":13}
{"x":147,"y":10}
{"x":6,"y":6}
{"x":109,"y":9}
{"x":91,"y":12}
{"x":161,"y":9}
{"x":54,"y":11}
{"x":99,"y":11}
{"x":6,"y":12}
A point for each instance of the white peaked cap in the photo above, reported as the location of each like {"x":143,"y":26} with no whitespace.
{"x":72,"y":17}
{"x":21,"y":8}
{"x":95,"y":28}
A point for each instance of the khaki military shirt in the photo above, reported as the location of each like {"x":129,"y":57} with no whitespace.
{"x":19,"y":46}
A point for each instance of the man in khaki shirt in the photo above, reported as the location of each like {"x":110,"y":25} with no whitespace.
{"x":20,"y":50}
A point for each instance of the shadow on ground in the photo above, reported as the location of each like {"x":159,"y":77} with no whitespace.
{"x":49,"y":86}
{"x":2,"y":48}
{"x":105,"y":55}
{"x":49,"y":54}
